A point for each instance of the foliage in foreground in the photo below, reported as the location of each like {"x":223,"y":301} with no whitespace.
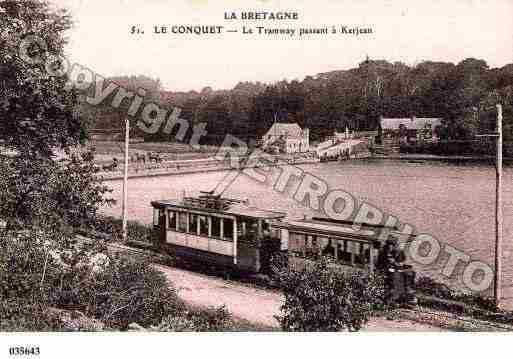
{"x":48,"y":189}
{"x":198,"y":320}
{"x":128,"y":290}
{"x":114,"y":289}
{"x":428,"y":286}
{"x":321,"y":297}
{"x":43,"y":181}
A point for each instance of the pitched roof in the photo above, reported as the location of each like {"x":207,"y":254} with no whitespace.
{"x":285,"y":129}
{"x":414,"y":123}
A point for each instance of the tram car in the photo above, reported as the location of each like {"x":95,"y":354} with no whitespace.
{"x":216,"y":230}
{"x":229,"y":232}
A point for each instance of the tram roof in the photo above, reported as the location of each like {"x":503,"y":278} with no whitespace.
{"x":235,"y":209}
{"x":341,"y":228}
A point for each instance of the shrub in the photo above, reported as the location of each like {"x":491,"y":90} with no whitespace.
{"x":198,"y":320}
{"x":130,"y":290}
{"x":117,"y":290}
{"x":175,"y":324}
{"x":436,"y":289}
{"x":23,"y":315}
{"x":113,"y":227}
{"x":210,"y":319}
{"x":321,"y":297}
{"x":30,"y":279}
{"x":29,"y":268}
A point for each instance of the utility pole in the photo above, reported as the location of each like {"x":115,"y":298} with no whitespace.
{"x":125,"y":179}
{"x":498,"y":211}
{"x":497,"y":289}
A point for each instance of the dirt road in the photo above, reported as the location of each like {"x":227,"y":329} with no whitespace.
{"x":253,"y":304}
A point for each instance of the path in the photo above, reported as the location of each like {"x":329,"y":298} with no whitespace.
{"x":254,"y":304}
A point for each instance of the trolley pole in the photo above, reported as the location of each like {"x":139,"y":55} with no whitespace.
{"x":498,"y":211}
{"x":125,"y":179}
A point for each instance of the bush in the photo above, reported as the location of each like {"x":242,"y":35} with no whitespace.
{"x":22,"y":260}
{"x":117,"y":290}
{"x":113,"y":227}
{"x":210,"y":319}
{"x":321,"y":297}
{"x":428,"y":286}
{"x":130,"y":290}
{"x":198,"y":320}
{"x":29,"y":283}
{"x":175,"y":324}
{"x":23,"y":315}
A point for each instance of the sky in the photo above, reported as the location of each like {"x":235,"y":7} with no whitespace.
{"x":409,"y":31}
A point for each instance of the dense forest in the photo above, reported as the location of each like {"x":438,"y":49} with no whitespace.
{"x":463,"y":94}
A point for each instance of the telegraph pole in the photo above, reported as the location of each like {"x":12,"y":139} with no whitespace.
{"x":498,"y":211}
{"x":497,"y":290}
{"x":125,"y":179}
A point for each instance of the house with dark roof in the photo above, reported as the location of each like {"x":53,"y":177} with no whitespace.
{"x":410,"y":130}
{"x":287,"y":138}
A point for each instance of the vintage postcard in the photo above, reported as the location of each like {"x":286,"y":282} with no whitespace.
{"x":253,"y":166}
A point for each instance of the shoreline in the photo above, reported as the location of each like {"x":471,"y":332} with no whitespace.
{"x":215,"y":166}
{"x":448,"y":158}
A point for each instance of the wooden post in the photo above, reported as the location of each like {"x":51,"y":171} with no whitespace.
{"x":498,"y":211}
{"x":125,"y":179}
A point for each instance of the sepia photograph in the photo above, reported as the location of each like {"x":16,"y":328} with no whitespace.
{"x":194,"y":177}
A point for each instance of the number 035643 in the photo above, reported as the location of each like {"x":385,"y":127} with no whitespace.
{"x":24,"y":351}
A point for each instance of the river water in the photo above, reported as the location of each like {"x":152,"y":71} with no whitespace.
{"x":453,"y":203}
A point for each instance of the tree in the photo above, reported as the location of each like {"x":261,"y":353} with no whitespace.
{"x":44,"y":183}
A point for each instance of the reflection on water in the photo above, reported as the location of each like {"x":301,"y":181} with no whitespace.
{"x":454,"y":203}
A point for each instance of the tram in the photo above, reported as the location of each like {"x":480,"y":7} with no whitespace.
{"x":215,"y":230}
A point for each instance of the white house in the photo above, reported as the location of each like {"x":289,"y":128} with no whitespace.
{"x":411,"y":129}
{"x":287,"y":138}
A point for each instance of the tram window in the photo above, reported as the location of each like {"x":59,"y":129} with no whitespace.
{"x":322,"y":243}
{"x":216,"y":227}
{"x":247,"y":228}
{"x":193,"y":223}
{"x":228,"y":228}
{"x":311,"y":247}
{"x":275,"y":232}
{"x":155,"y":216}
{"x":182,"y":221}
{"x":362,"y":257}
{"x":252,"y":227}
{"x":203,"y":224}
{"x":172,"y":220}
{"x":342,"y":251}
{"x":241,"y":227}
{"x":297,"y":243}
